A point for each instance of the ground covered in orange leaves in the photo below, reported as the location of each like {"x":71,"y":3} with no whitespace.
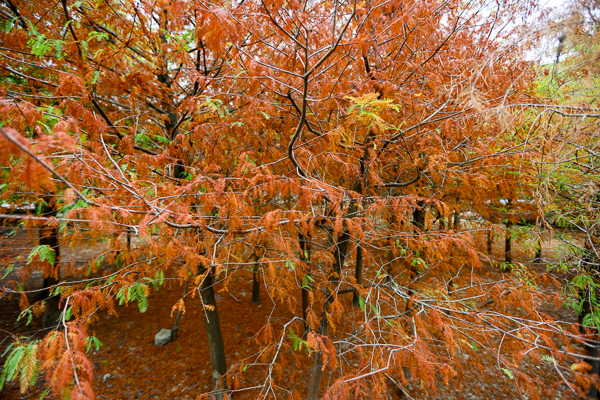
{"x":137,"y":369}
{"x":130,"y":366}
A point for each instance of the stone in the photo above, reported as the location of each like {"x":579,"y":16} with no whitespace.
{"x":105,"y":377}
{"x":163,"y":337}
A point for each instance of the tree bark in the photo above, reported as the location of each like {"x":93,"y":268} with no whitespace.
{"x":442,"y":221}
{"x":316,"y":372}
{"x":305,"y":256}
{"x":456,"y":223}
{"x":340,"y":252}
{"x":215,"y":338}
{"x":49,"y":237}
{"x":255,"y":283}
{"x":538,"y":251}
{"x":508,"y":246}
{"x":594,"y":351}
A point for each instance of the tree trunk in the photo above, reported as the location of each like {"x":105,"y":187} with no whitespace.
{"x":358,"y":275}
{"x":538,"y":251}
{"x":456,"y":223}
{"x":52,"y":312}
{"x":593,"y":351}
{"x":176,"y":324}
{"x":419,"y":216}
{"x":305,"y":256}
{"x":316,"y":372}
{"x":508,"y":246}
{"x":215,"y":338}
{"x":340,"y":252}
{"x":442,"y":222}
{"x":255,"y":283}
{"x":490,"y":241}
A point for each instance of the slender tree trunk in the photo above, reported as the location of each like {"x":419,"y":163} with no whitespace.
{"x":128,"y":239}
{"x":176,"y":324}
{"x":538,"y":251}
{"x":358,"y":275}
{"x":255,"y":283}
{"x":305,"y":305}
{"x":49,"y":237}
{"x":508,"y":246}
{"x":442,"y":222}
{"x":490,"y":241}
{"x":316,"y":372}
{"x":419,"y":216}
{"x":215,"y":338}
{"x":594,"y":351}
{"x":456,"y":223}
{"x":341,"y":250}
{"x":305,"y":256}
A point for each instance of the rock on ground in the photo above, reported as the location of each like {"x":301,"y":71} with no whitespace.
{"x":163,"y":337}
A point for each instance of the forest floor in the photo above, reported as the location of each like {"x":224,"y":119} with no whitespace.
{"x":130,"y":366}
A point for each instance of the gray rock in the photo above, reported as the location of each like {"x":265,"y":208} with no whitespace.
{"x":105,"y":377}
{"x":163,"y":337}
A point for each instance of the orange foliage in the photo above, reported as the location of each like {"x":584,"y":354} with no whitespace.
{"x":216,"y":134}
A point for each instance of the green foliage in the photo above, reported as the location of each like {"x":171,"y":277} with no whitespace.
{"x":92,"y":341}
{"x":547,"y":358}
{"x":40,"y":44}
{"x":306,"y":281}
{"x":361,"y":303}
{"x":21,"y":362}
{"x":419,"y":264}
{"x":28,"y":312}
{"x":68,"y":313}
{"x":584,"y":289}
{"x":508,"y":373}
{"x":297,"y":342}
{"x":8,"y":24}
{"x":43,"y":253}
{"x":134,"y":293}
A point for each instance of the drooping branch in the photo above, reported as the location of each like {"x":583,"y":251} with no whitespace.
{"x":58,"y":176}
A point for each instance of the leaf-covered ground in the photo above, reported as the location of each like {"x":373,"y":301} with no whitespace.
{"x":129,"y":366}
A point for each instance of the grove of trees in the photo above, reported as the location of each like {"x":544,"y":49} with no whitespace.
{"x":348,"y":158}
